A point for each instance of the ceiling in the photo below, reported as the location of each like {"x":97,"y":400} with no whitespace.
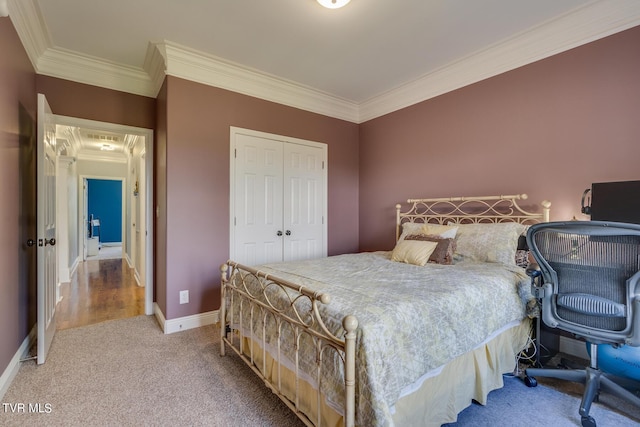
{"x":355,"y":63}
{"x":93,"y":141}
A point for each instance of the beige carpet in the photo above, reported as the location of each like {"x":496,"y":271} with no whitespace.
{"x":128,"y":373}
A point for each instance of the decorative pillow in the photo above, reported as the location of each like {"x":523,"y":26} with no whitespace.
{"x":489,"y":242}
{"x":522,"y":252}
{"x":415,"y":228}
{"x":443,"y":253}
{"x":522,"y":258}
{"x":413,"y":251}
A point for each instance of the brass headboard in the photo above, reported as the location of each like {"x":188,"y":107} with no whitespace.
{"x":467,"y":210}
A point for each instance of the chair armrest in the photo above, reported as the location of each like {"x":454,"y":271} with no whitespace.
{"x":634,"y":338}
{"x":533,"y":271}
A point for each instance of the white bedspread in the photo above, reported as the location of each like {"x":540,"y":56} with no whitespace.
{"x":411,"y":319}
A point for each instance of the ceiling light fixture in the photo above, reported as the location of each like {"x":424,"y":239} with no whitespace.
{"x":107,"y":147}
{"x":333,"y":4}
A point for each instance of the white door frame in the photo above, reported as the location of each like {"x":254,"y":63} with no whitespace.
{"x":148,"y":148}
{"x":233,"y":131}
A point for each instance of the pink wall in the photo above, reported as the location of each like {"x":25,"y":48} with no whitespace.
{"x":197,"y":186}
{"x":72,"y":99}
{"x":17,"y":195}
{"x":548,"y":129}
{"x":160,"y":201}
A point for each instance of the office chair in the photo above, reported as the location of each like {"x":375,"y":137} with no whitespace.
{"x":587,"y":278}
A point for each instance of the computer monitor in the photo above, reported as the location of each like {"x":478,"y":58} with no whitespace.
{"x":616,"y":201}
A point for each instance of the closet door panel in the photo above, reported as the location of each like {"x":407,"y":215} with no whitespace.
{"x":258,"y":200}
{"x":303,"y":202}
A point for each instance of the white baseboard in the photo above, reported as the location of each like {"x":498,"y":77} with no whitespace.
{"x":58,"y":292}
{"x":73,"y":268}
{"x":64,"y":275}
{"x":186,"y":322}
{"x":159,"y":315}
{"x":573,"y":347}
{"x":14,"y":365}
{"x":129,"y":263}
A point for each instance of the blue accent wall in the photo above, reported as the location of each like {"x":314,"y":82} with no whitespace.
{"x":105,"y":204}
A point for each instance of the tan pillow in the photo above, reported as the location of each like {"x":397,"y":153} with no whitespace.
{"x":443,"y":253}
{"x":489,"y":242}
{"x":415,"y":252}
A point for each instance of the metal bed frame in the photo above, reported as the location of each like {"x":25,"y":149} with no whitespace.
{"x":301,"y":311}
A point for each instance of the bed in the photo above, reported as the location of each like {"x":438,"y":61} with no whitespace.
{"x":403,"y":337}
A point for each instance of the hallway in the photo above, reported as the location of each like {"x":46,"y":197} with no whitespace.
{"x":99,"y":290}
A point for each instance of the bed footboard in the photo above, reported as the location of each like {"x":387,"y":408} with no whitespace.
{"x":267,"y":321}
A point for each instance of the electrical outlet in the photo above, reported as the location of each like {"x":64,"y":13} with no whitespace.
{"x":184,"y":297}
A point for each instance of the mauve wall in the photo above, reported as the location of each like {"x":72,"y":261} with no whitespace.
{"x":17,"y":196}
{"x":160,"y":200}
{"x":72,"y":99}
{"x":549,"y":129}
{"x":198,"y":121}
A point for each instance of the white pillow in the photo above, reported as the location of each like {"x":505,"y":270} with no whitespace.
{"x":415,"y":228}
{"x":489,"y":242}
{"x":415,"y":252}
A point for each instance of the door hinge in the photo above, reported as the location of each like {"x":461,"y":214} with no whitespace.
{"x":323,"y":164}
{"x":235,"y":153}
{"x":235,"y":221}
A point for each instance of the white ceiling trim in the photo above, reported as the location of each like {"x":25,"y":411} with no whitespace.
{"x":30,"y":28}
{"x":591,"y":22}
{"x":52,"y":61}
{"x":189,"y":64}
{"x":115,"y":158}
{"x":69,"y":65}
{"x":584,"y":25}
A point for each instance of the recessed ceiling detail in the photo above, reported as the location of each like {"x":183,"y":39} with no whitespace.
{"x":107,"y":138}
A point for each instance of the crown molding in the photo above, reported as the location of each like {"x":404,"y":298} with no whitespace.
{"x":65,"y":161}
{"x":594,"y":21}
{"x":189,"y":64}
{"x":69,"y":65}
{"x":30,"y":27}
{"x":155,"y":66}
{"x":116,"y":158}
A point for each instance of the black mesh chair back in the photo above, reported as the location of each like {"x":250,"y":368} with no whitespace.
{"x":586,"y":277}
{"x":592,"y":270}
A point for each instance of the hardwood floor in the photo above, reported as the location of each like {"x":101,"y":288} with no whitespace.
{"x":100,"y":290}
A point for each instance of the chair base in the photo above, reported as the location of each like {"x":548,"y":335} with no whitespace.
{"x":594,"y":381}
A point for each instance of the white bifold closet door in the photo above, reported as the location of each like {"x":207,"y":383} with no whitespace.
{"x":278,"y":199}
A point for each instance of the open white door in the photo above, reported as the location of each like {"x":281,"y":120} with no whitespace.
{"x":46,"y":167}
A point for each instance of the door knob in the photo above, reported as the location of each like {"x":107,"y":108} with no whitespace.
{"x":51,"y":242}
{"x":279,"y":233}
{"x":288,"y":232}
{"x":30,"y":242}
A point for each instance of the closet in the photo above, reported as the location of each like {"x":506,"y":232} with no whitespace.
{"x":278,"y":198}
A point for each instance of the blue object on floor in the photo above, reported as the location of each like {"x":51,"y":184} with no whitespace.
{"x":623,"y":361}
